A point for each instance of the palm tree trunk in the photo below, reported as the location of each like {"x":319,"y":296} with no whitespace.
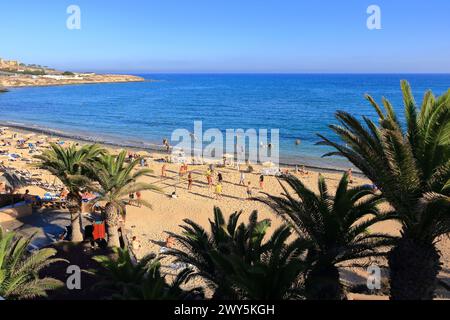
{"x":323,"y":283}
{"x":74,"y":206}
{"x":111,"y":215}
{"x":414,"y":267}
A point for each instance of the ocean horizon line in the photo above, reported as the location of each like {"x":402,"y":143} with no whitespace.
{"x":134,"y":72}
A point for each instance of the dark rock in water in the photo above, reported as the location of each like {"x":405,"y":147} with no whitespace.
{"x":3,"y":89}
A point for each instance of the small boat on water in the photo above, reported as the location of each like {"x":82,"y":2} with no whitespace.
{"x":3,"y":89}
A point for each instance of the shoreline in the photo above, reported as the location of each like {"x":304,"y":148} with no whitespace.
{"x":153,"y":147}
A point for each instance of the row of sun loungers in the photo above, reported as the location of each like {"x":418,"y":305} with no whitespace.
{"x":28,"y":178}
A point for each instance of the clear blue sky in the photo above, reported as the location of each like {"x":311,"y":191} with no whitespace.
{"x":229,"y":35}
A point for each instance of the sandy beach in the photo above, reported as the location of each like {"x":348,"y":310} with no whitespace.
{"x":149,"y":226}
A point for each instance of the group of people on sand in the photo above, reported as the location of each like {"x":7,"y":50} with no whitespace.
{"x":135,"y":199}
{"x":218,"y":185}
{"x":214,"y":181}
{"x":301,"y":171}
{"x":4,"y":143}
{"x":132,"y":156}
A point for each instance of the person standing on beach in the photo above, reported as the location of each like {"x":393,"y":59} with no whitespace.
{"x":190,"y":181}
{"x":163,"y":171}
{"x":181,"y":171}
{"x":166,"y":145}
{"x":249,"y":190}
{"x":261,"y":182}
{"x":218,"y":191}
{"x":242,"y":179}
{"x":138,"y":197}
{"x":219,"y":177}
{"x":209,"y":178}
{"x":350,"y":175}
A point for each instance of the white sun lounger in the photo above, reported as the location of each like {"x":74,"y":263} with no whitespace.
{"x":274,"y":171}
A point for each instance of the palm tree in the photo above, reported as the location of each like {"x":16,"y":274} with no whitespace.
{"x":116,"y":181}
{"x":140,"y":281}
{"x":277,"y":274}
{"x":235,"y":262}
{"x":69,"y":166}
{"x":411,"y":167}
{"x":19,"y":270}
{"x":335,"y":228}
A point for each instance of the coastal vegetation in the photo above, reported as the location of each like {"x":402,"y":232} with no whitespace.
{"x":236,"y":262}
{"x":70,"y":166}
{"x":19,"y":269}
{"x":142,"y":280}
{"x":410,"y":164}
{"x":33,"y":72}
{"x":334,"y":227}
{"x":114,"y":181}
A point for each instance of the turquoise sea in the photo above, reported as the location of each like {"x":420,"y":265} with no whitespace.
{"x":142,"y":114}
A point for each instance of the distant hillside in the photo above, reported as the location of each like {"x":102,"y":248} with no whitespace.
{"x":16,"y":74}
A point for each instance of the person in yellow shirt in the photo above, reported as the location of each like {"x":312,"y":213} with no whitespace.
{"x":218,"y":191}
